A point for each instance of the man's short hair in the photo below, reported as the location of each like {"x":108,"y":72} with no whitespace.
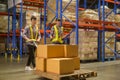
{"x":33,"y":18}
{"x":58,"y":19}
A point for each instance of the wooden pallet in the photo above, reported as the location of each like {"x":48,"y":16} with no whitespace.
{"x":77,"y":75}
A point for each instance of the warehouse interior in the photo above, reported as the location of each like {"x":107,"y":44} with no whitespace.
{"x":86,"y":45}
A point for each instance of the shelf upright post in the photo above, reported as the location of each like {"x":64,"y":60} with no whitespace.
{"x":8,"y":36}
{"x":99,"y":34}
{"x":77,"y":22}
{"x":14,"y":29}
{"x":103,"y":31}
{"x":61,"y":12}
{"x":106,"y":3}
{"x":45,"y":5}
{"x":85,"y":4}
{"x":115,"y":43}
{"x":40,"y":18}
{"x":21,"y":23}
{"x":57,"y":7}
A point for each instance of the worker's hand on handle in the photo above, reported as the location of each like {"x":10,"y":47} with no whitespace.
{"x":38,"y":40}
{"x":51,"y":38}
{"x":31,"y":40}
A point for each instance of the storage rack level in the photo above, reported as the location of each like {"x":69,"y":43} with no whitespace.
{"x":77,"y":75}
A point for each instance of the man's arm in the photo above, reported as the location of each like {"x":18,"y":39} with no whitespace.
{"x":62,"y":31}
{"x":52,"y":32}
{"x":39,"y":36}
{"x":24,"y":34}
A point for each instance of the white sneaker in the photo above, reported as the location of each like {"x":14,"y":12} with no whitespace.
{"x":27,"y":68}
{"x":34,"y":68}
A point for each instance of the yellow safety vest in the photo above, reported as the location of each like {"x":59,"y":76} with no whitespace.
{"x":57,"y":38}
{"x":31,"y":33}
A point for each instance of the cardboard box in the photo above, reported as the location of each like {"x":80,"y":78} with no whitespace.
{"x":76,"y":63}
{"x":60,"y":65}
{"x":41,"y":64}
{"x":50,"y":51}
{"x":71,"y":51}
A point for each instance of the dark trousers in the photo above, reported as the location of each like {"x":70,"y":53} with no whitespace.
{"x":31,"y":58}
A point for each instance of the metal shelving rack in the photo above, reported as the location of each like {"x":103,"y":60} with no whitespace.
{"x":104,"y":43}
{"x":75,"y":28}
{"x":103,"y":27}
{"x":19,"y":33}
{"x":98,"y":25}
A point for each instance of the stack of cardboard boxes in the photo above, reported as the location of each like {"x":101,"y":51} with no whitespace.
{"x":58,"y":59}
{"x":87,"y":44}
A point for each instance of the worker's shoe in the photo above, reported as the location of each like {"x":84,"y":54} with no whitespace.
{"x":27,"y":68}
{"x":34,"y":68}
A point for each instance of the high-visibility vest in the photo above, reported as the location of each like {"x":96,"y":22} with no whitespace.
{"x":32,"y":34}
{"x":57,"y":38}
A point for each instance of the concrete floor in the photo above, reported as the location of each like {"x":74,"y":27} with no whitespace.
{"x":15,"y":71}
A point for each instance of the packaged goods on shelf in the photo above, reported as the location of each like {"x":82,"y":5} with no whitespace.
{"x":2,"y":47}
{"x":3,"y":8}
{"x":117,"y":18}
{"x":87,"y":44}
{"x":4,"y":23}
{"x":89,"y":14}
{"x":69,"y":12}
{"x":89,"y":56}
{"x":107,"y":11}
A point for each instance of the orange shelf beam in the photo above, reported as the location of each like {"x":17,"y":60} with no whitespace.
{"x":5,"y":34}
{"x":90,"y":24}
{"x":33,"y":3}
{"x":6,"y":14}
{"x":112,"y":1}
{"x":81,"y":8}
{"x":18,"y":33}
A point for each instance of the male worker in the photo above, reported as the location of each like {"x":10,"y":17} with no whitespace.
{"x":56,"y":34}
{"x":32,"y":35}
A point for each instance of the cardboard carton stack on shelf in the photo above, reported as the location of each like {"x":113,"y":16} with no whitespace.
{"x":4,"y":24}
{"x":88,"y":41}
{"x":52,"y":4}
{"x":118,"y":47}
{"x":2,"y":47}
{"x":58,"y":59}
{"x":69,"y":11}
{"x":89,"y":14}
{"x":87,"y":44}
{"x":3,"y":8}
{"x":108,"y":52}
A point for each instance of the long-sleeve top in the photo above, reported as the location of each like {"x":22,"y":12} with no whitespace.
{"x":27,"y":33}
{"x":52,"y":33}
